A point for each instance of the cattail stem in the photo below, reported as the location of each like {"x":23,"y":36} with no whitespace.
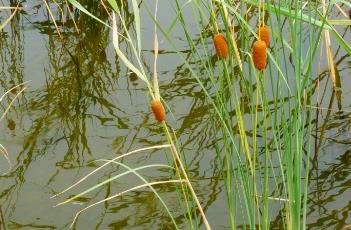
{"x":182,"y":169}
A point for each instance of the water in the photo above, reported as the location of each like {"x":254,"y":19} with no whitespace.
{"x":82,"y":104}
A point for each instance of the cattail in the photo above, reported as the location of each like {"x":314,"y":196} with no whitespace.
{"x":221,"y":46}
{"x":259,"y":55}
{"x":350,"y":13}
{"x":158,"y":110}
{"x":263,"y":33}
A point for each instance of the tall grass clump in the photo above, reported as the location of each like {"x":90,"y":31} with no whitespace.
{"x":266,"y":144}
{"x":259,"y":86}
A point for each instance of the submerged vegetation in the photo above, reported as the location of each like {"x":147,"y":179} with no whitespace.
{"x":253,"y":69}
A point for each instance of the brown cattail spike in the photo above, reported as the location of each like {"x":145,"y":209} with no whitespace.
{"x":221,"y":46}
{"x":259,"y":54}
{"x":158,"y":110}
{"x":264,"y":35}
{"x":350,"y":13}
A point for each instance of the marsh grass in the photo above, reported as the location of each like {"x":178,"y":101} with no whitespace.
{"x":285,"y":127}
{"x":264,"y":116}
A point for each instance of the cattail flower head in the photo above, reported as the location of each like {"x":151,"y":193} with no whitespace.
{"x":259,"y":54}
{"x":158,"y":110}
{"x":221,"y":46}
{"x":350,"y":13}
{"x":264,"y":34}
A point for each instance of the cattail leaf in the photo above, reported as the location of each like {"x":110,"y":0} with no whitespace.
{"x":120,"y":53}
{"x":81,"y":8}
{"x":290,"y":13}
{"x":122,"y":156}
{"x":113,"y":4}
{"x":156,"y":87}
{"x":347,"y":3}
{"x":339,"y":22}
{"x":341,"y":41}
{"x":150,"y":184}
{"x":176,"y":18}
{"x":151,"y":188}
{"x":137,"y":24}
{"x":109,"y":180}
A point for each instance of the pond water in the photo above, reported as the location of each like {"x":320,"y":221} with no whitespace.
{"x":82,"y":104}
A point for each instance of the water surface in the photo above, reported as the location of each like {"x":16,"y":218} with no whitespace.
{"x":82,"y":104}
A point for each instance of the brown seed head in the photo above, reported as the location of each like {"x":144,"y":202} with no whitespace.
{"x":350,"y":13}
{"x":259,"y":54}
{"x":264,"y":34}
{"x":158,"y":110}
{"x":221,"y":46}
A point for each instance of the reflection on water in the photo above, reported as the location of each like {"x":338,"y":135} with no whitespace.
{"x":84,"y":105}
